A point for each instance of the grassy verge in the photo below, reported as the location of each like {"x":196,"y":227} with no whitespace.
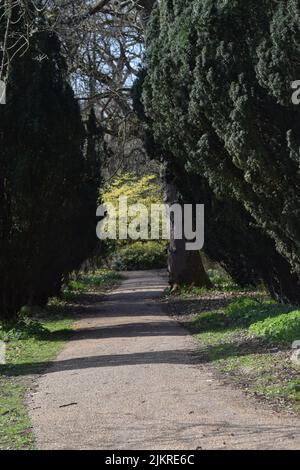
{"x":248,"y":339}
{"x":88,"y":283}
{"x":31,"y":342}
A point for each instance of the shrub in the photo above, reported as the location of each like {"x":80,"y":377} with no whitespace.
{"x":283,"y":328}
{"x":23,"y":329}
{"x":245,"y":311}
{"x":140,"y":256}
{"x":221,"y":280}
{"x":261,"y":317}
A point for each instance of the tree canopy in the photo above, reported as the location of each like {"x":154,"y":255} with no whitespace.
{"x":218,"y":95}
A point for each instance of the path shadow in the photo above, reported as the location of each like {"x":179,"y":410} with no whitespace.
{"x":123,"y":330}
{"x":232,"y":349}
{"x":112,"y":360}
{"x":188,"y":307}
{"x":245,"y":435}
{"x":130,"y":330}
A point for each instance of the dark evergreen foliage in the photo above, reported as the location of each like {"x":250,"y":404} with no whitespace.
{"x":49,"y":179}
{"x":218,"y":95}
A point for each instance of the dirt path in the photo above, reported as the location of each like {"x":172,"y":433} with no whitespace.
{"x":129,"y":380}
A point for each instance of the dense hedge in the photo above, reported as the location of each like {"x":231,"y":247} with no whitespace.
{"x":48,"y":185}
{"x":218,"y":95}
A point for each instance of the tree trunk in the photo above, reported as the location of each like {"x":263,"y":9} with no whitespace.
{"x":185,"y":267}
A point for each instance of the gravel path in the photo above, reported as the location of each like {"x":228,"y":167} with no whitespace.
{"x":129,"y":379}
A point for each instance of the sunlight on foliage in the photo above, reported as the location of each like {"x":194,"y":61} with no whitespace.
{"x":129,"y":254}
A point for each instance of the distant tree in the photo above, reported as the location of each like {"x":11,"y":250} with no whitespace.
{"x":145,"y":190}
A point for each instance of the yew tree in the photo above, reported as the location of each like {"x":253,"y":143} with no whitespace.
{"x":218,"y":95}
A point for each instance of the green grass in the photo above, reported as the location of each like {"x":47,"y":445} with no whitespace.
{"x":28,"y":351}
{"x":15,"y":425}
{"x":32,"y":346}
{"x":31,"y":342}
{"x":288,"y":392}
{"x":283,"y":328}
{"x":251,"y":311}
{"x":221,"y":281}
{"x":250,"y":342}
{"x":277,"y":323}
{"x":88,"y":282}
